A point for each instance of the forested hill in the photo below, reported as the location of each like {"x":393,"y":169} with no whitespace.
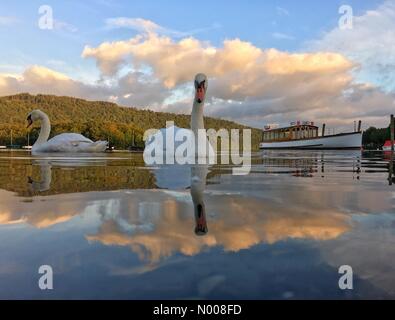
{"x":98,"y":120}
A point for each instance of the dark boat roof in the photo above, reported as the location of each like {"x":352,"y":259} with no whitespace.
{"x":294,"y":126}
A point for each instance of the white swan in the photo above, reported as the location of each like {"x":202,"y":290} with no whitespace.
{"x":65,"y":142}
{"x":203,"y":148}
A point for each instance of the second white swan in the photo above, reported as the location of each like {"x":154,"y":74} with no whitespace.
{"x":65,"y":142}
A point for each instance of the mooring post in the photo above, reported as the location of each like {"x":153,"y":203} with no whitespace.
{"x":391,"y":163}
{"x":392,"y":132}
{"x":391,"y":168}
{"x":359,"y":125}
{"x":323,"y":129}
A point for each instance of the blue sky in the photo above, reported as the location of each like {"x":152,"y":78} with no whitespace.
{"x":257,"y":22}
{"x":287,"y":26}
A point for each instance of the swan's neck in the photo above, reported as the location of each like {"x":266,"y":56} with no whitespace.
{"x":197,"y":117}
{"x":45,"y":130}
{"x":45,"y":179}
{"x":198,"y":183}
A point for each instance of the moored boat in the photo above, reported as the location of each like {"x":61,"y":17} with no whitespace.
{"x":304,"y":135}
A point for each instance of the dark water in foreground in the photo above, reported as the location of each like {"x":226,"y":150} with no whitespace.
{"x":110,"y":232}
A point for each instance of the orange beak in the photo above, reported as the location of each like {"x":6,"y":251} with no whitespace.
{"x":29,"y":122}
{"x":200,"y":93}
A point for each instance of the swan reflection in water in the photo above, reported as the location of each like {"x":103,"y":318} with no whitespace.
{"x":46,"y":164}
{"x":198,"y":185}
{"x":44,"y":184}
{"x":193,"y":177}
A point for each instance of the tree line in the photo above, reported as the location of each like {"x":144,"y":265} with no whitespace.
{"x":123,"y":127}
{"x":374,"y":138}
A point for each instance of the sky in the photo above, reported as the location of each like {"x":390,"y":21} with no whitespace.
{"x":268,"y":62}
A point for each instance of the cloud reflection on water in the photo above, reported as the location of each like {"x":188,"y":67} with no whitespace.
{"x":342,"y":219}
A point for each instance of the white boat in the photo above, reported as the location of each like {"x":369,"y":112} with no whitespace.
{"x":305,"y":136}
{"x":3,"y":147}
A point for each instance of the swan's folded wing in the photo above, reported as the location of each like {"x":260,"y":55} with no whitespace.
{"x":79,"y":143}
{"x":69,"y":138}
{"x":69,"y":142}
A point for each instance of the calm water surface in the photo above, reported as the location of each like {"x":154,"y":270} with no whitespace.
{"x":113,"y":228}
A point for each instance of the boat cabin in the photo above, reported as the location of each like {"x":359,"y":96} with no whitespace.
{"x":296,"y":131}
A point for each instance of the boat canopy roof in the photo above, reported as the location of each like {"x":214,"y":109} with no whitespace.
{"x":311,"y":126}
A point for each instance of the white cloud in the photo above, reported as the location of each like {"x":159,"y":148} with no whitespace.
{"x":282,"y":36}
{"x":282,"y":11}
{"x":8,"y":21}
{"x":251,"y":84}
{"x":38,"y":79}
{"x":138,"y":89}
{"x":175,"y":62}
{"x":247,"y":83}
{"x":133,"y":89}
{"x":64,"y":26}
{"x":137,"y":24}
{"x":143,"y":25}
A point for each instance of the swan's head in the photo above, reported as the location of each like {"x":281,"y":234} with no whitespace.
{"x":201,"y":85}
{"x":200,"y":219}
{"x":34,"y":116}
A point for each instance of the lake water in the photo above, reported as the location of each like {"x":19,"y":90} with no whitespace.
{"x":112,"y":228}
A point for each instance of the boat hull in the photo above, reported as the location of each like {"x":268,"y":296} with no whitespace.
{"x":351,"y":140}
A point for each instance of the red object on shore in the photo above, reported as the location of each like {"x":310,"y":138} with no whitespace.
{"x":387,"y":145}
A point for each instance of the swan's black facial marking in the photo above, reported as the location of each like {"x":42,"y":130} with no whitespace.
{"x":200,"y":210}
{"x":29,"y":120}
{"x":200,"y":90}
{"x":201,"y":224}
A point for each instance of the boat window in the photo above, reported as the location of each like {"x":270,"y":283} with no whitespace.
{"x":291,"y":133}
